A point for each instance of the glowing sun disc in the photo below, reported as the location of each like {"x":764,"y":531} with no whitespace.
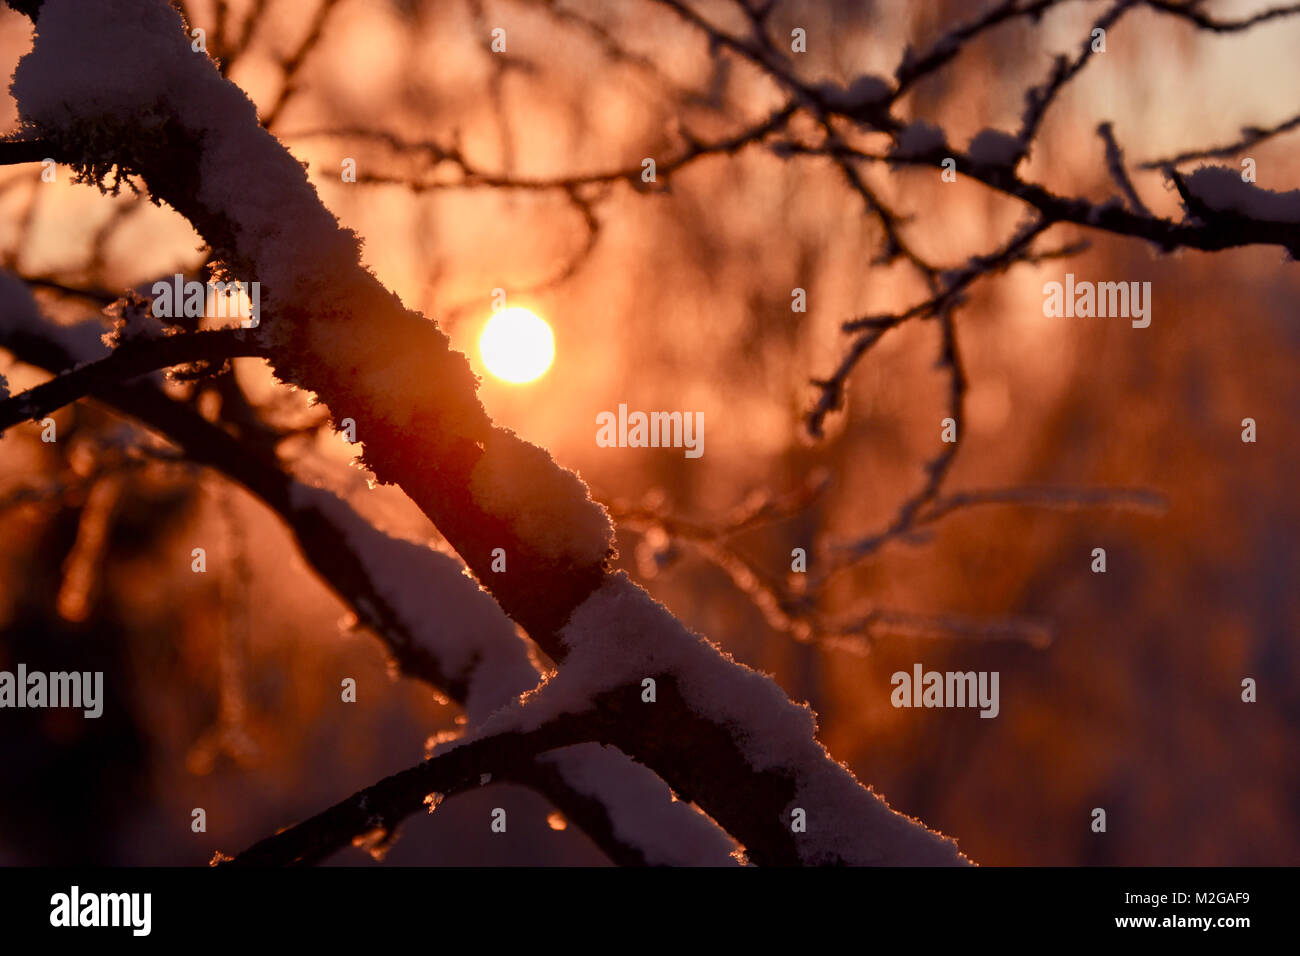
{"x":517,"y":345}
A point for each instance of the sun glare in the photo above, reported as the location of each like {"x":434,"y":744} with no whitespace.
{"x":517,"y":345}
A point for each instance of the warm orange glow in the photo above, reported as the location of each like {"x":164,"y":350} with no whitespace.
{"x":517,"y":345}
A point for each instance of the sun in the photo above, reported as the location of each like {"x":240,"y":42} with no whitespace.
{"x":517,"y":345}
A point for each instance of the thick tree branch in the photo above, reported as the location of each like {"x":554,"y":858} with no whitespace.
{"x":322,"y":537}
{"x":337,"y":331}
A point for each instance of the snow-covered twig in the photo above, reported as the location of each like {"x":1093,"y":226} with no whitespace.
{"x":1218,"y":196}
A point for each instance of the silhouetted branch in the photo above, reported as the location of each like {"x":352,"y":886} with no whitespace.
{"x":950,"y":285}
{"x":381,"y":807}
{"x":859,"y":635}
{"x":1115,"y":163}
{"x":472,"y":176}
{"x":1142,"y":500}
{"x":292,"y":64}
{"x":90,"y":293}
{"x":128,"y":361}
{"x":1192,"y":11}
{"x":915,"y":66}
{"x":1040,"y":98}
{"x":14,"y":152}
{"x":1250,"y":136}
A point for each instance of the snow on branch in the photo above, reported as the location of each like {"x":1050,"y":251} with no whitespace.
{"x":621,"y":637}
{"x":447,"y":632}
{"x":1218,"y":193}
{"x":332,"y":328}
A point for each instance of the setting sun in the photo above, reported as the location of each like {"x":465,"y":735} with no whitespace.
{"x":517,"y":345}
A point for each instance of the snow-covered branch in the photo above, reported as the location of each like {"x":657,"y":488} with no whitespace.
{"x":331,"y":327}
{"x":446,"y":632}
{"x":194,"y":140}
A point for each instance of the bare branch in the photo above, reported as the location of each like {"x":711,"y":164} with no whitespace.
{"x":1191,"y":10}
{"x":1115,"y":163}
{"x":292,"y":64}
{"x":1250,"y":136}
{"x":382,"y":806}
{"x":950,"y":287}
{"x":14,"y":152}
{"x":1039,"y":99}
{"x":915,"y":66}
{"x":129,"y":361}
{"x":473,"y":177}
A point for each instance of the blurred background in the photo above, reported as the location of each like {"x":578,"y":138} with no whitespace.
{"x":223,"y":687}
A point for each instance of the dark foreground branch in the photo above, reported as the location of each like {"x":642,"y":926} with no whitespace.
{"x":15,"y":152}
{"x":382,"y":806}
{"x":128,"y":361}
